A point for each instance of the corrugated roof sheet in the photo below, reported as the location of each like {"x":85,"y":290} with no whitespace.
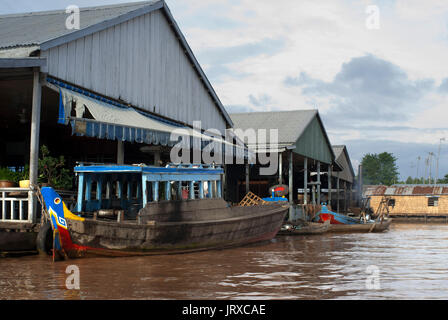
{"x":290,"y":124}
{"x":27,"y":29}
{"x":406,"y":190}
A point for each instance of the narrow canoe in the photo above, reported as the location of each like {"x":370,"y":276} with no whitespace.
{"x":376,"y":226}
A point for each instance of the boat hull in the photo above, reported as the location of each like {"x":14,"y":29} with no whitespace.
{"x":309,"y":229}
{"x":121,"y":239}
{"x":377,"y":226}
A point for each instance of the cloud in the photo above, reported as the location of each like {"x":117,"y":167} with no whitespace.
{"x":238,"y":109}
{"x":443,"y":88}
{"x":366,"y":88}
{"x":261,"y":101}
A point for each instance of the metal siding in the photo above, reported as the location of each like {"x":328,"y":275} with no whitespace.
{"x":313,"y":144}
{"x":141,"y":62}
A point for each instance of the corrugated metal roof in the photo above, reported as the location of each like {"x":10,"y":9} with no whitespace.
{"x":406,"y":190}
{"x":342,"y":157}
{"x":21,"y":34}
{"x":27,"y":29}
{"x":290,"y":124}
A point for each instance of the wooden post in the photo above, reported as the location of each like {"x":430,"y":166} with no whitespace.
{"x":247,"y":178}
{"x":120,"y":152}
{"x":305,"y":181}
{"x":291,"y":185}
{"x":290,"y":176}
{"x":280,"y":165}
{"x":34,"y":142}
{"x":330,"y":174}
{"x":345,"y":196}
{"x":337,"y":188}
{"x":318,"y":183}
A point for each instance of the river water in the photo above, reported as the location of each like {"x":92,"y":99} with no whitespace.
{"x":410,"y":261}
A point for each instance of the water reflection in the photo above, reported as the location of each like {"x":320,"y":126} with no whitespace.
{"x":411,"y":259}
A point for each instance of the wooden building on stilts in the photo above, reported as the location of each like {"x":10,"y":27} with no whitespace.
{"x":301,"y":151}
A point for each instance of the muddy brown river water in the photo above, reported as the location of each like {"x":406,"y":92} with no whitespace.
{"x":410,"y":261}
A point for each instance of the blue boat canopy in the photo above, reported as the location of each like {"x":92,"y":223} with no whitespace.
{"x":95,"y":116}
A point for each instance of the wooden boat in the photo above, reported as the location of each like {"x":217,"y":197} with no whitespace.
{"x":376,"y":226}
{"x":306,"y":229}
{"x":160,"y":227}
{"x":343,"y":223}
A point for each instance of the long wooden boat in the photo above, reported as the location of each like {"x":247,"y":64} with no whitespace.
{"x":343,"y":223}
{"x":376,"y":226}
{"x":159,"y":227}
{"x":309,"y":228}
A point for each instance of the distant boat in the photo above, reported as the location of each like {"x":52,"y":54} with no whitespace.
{"x":343,"y":223}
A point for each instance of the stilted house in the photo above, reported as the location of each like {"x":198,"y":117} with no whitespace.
{"x":305,"y":156}
{"x":342,"y":195}
{"x":112,"y":91}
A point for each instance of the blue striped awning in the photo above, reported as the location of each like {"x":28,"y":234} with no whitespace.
{"x":95,"y":116}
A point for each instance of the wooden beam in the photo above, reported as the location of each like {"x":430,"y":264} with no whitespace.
{"x":291,"y":174}
{"x":305,"y":181}
{"x":318,"y":183}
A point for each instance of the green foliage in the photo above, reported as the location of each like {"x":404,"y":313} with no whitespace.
{"x":380,"y":169}
{"x":25,"y":174}
{"x":52,"y":170}
{"x":444,"y":180}
{"x":7,"y":174}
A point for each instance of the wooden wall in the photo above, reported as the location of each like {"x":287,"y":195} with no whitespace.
{"x":413,"y":205}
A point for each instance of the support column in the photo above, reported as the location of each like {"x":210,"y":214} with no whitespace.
{"x":291,"y":175}
{"x":345,"y":196}
{"x":247,"y":178}
{"x":318,"y":183}
{"x":120,"y":152}
{"x":280,"y":168}
{"x":305,"y":181}
{"x":291,"y":186}
{"x":337,"y":188}
{"x":34,"y":142}
{"x":330,"y":175}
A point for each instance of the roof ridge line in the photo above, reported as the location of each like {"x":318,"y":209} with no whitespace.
{"x":59,"y":11}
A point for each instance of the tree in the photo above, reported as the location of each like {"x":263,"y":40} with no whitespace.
{"x":443,"y":180}
{"x":379,"y":169}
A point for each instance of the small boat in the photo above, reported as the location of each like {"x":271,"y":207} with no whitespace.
{"x":343,"y":223}
{"x":375,"y":226}
{"x":160,"y":226}
{"x":309,"y":228}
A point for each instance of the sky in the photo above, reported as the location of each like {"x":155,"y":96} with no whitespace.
{"x":378,"y":78}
